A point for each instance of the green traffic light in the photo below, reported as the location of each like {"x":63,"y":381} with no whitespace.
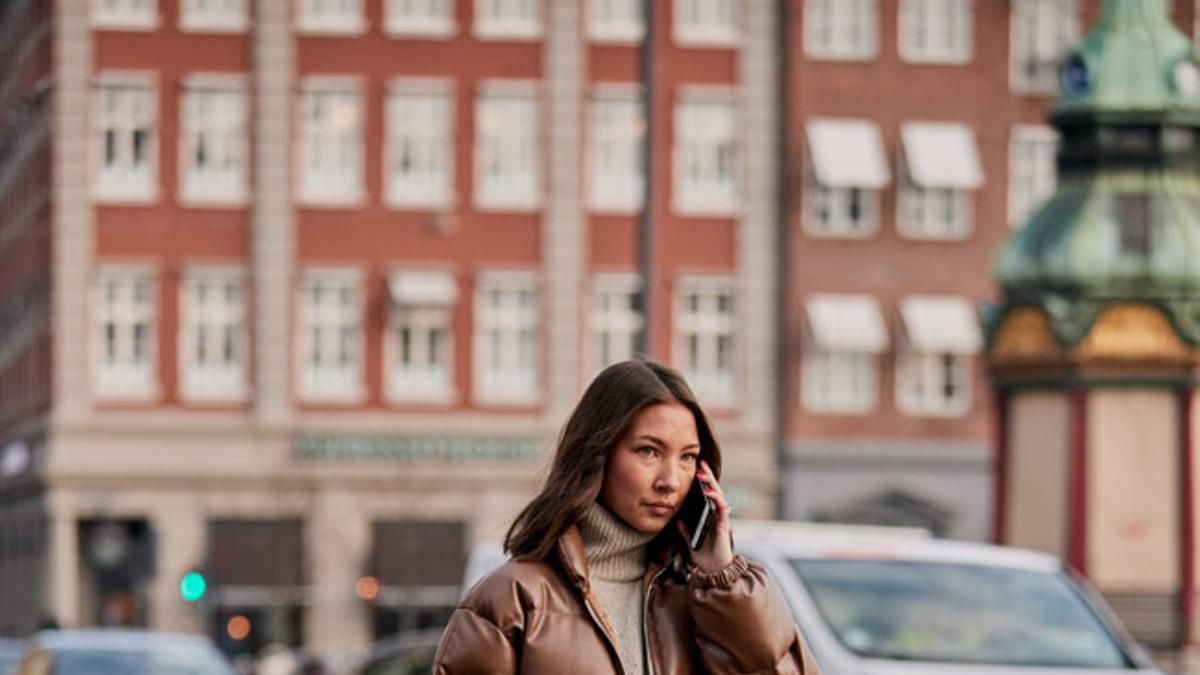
{"x":193,"y":586}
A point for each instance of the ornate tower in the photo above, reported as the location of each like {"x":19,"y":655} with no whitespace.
{"x":1093,"y":347}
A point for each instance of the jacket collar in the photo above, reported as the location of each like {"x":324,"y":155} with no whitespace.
{"x":574,"y":561}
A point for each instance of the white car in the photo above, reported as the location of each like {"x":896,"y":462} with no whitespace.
{"x":877,"y":601}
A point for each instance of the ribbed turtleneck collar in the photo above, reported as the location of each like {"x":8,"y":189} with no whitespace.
{"x":614,"y":550}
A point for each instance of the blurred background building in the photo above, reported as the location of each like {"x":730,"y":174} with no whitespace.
{"x":295,"y":295}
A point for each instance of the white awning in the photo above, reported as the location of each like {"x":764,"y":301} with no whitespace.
{"x":847,"y":323}
{"x":942,"y":155}
{"x":422,"y":288}
{"x":941,"y":324}
{"x":848,"y":153}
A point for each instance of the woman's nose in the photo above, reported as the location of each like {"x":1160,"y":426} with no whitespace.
{"x":668,"y":479}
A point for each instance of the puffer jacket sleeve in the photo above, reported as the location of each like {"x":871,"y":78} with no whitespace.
{"x":474,"y":645}
{"x":743,"y":624}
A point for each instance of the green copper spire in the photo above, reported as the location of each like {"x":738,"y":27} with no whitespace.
{"x":1124,"y":224}
{"x":1135,"y":59}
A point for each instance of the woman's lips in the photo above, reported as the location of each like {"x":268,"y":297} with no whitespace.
{"x":662,"y":509}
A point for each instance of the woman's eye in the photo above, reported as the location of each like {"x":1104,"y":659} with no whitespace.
{"x":645,"y":450}
{"x":691,"y":458}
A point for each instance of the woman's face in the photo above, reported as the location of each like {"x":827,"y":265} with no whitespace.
{"x":649,"y":472}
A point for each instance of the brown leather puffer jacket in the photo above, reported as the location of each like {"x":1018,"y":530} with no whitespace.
{"x":540,"y":617}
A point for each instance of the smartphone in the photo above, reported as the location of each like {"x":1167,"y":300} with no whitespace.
{"x":696,"y":515}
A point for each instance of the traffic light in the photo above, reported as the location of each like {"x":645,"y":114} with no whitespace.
{"x":193,"y":586}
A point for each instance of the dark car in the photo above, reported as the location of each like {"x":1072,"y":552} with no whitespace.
{"x":121,"y":652}
{"x":406,"y":654}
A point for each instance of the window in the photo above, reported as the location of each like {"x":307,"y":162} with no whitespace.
{"x":845,"y":171}
{"x":935,"y":31}
{"x":706,"y":156}
{"x":841,"y":29}
{"x":419,"y":351}
{"x":330,"y":142}
{"x":615,"y":20}
{"x":838,"y":381}
{"x":940,"y":336}
{"x":508,"y":19}
{"x":125,"y":139}
{"x":615,"y":130}
{"x":330,"y":16}
{"x":125,"y":14}
{"x":331,"y":339}
{"x":843,"y":338}
{"x":420,"y":17}
{"x":213,"y":15}
{"x":940,"y":169}
{"x":213,"y":142}
{"x":507,"y":158}
{"x":1042,"y":33}
{"x":506,"y":324}
{"x":125,"y":331}
{"x":420,"y":128}
{"x":704,"y":337}
{"x":1032,"y":174}
{"x":613,"y":320}
{"x":706,"y":22}
{"x":212,"y":334}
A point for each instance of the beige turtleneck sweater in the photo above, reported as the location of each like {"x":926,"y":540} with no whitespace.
{"x":616,"y":556}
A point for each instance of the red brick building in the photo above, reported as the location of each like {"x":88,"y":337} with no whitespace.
{"x":299,"y":292}
{"x":917,"y":137}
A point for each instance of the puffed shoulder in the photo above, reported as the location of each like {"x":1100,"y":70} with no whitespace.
{"x":511,"y":591}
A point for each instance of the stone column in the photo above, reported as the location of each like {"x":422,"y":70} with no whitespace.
{"x":563,"y":246}
{"x":338,"y":540}
{"x":273,"y":227}
{"x":181,"y":538}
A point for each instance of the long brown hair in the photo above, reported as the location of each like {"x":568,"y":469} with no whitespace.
{"x":600,"y":420}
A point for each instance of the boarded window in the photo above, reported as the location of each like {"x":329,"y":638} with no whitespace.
{"x":1133,"y":218}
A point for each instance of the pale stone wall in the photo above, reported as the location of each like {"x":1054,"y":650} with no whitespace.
{"x":1133,"y":490}
{"x":1036,"y":510}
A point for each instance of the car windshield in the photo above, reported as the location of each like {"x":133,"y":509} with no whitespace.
{"x":140,"y":661}
{"x":926,"y":611}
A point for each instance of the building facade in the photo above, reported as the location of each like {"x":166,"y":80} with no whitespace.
{"x":917,"y":139}
{"x":298,"y":294}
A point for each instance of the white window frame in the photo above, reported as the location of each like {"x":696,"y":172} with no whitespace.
{"x":615,"y":21}
{"x":513,"y":327}
{"x":918,"y":209}
{"x":831,"y":26}
{"x":615,"y":133}
{"x":341,"y":327}
{"x":220,"y":16}
{"x":922,"y":376}
{"x":838,"y":382}
{"x":227,"y":132}
{"x":126,"y":378}
{"x":216,"y":327}
{"x":516,"y":19}
{"x":511,"y":144}
{"x":700,"y":187}
{"x":424,"y":382}
{"x":936,"y":31}
{"x":837,"y":202}
{"x":436,"y":21}
{"x":420,"y":113}
{"x":1058,"y":26}
{"x":706,"y":23}
{"x":714,"y":329}
{"x":125,"y":14}
{"x":1032,"y":170}
{"x":330,"y":17}
{"x":613,"y":321}
{"x":321,"y":182}
{"x":125,"y":182}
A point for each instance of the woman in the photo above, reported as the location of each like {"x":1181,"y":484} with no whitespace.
{"x":602,"y":579}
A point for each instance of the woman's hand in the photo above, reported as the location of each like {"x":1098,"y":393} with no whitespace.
{"x":717,"y":550}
